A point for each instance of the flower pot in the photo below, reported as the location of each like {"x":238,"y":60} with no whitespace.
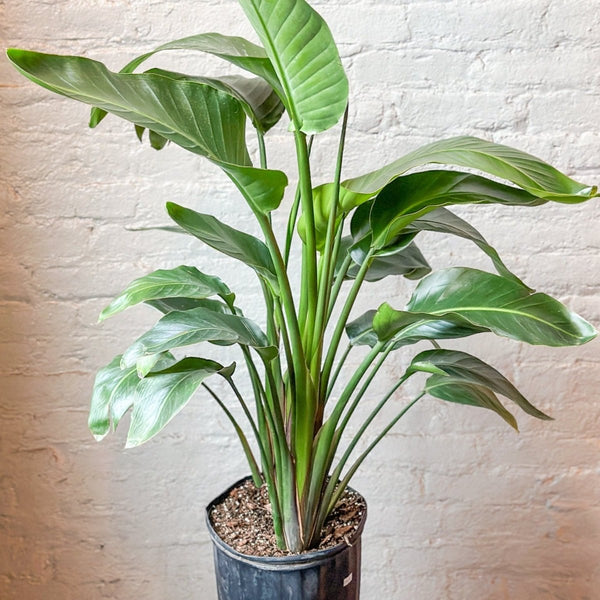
{"x":331,"y":574}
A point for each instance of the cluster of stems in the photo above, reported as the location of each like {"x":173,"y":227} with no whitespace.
{"x":298,"y":435}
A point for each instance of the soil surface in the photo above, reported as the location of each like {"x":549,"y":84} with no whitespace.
{"x":244,"y":521}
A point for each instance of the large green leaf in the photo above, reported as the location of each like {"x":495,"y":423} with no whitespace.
{"x":260,"y":102}
{"x":528,"y":172}
{"x":402,"y":328}
{"x":411,"y":196}
{"x":501,"y":305}
{"x":305,"y":58}
{"x":167,"y":305}
{"x":470,"y":369}
{"x":406,"y":260}
{"x":455,"y":389}
{"x":226,"y":239}
{"x":236,"y":50}
{"x":181,"y":282}
{"x":178,"y":329}
{"x":113,"y":394}
{"x":161,"y":395}
{"x":194,"y":115}
{"x":444,"y":221}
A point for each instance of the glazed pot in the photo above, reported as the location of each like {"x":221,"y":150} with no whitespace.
{"x":331,"y":574}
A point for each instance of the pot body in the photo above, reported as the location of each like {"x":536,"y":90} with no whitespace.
{"x":332,"y":574}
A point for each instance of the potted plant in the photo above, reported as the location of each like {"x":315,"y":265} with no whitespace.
{"x":350,"y":231}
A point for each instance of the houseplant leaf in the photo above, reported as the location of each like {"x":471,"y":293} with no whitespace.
{"x":442,"y":220}
{"x":167,"y":305}
{"x":178,"y":329}
{"x":193,"y":115}
{"x":236,"y":50}
{"x":305,"y":58}
{"x":501,"y":305}
{"x":472,"y":370}
{"x":181,"y":282}
{"x":232,"y":242}
{"x":161,"y":395}
{"x":406,"y":260}
{"x":409,"y":197}
{"x":402,"y":328}
{"x":459,"y":391}
{"x":113,"y":393}
{"x":261,"y":104}
{"x":528,"y":172}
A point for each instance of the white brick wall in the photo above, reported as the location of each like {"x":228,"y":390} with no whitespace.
{"x":461,"y":508}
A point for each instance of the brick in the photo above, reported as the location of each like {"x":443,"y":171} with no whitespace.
{"x":460,"y":506}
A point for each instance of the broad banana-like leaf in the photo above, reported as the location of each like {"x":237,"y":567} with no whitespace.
{"x":113,"y":394}
{"x":526,"y":171}
{"x":232,"y":242}
{"x":498,"y":304}
{"x":305,"y":58}
{"x":181,"y":282}
{"x":444,"y":221}
{"x":193,"y":115}
{"x":236,"y":50}
{"x":161,"y":395}
{"x":178,"y":329}
{"x":409,"y":197}
{"x":406,"y":260}
{"x":260,"y":102}
{"x":167,"y":305}
{"x":401,"y":328}
{"x":470,"y":369}
{"x":455,"y":389}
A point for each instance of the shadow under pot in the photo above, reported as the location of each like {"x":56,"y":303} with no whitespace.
{"x":330,"y":574}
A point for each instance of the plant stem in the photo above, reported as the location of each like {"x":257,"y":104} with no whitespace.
{"x":294,"y":214}
{"x":326,"y":264}
{"x":337,"y":285}
{"x":338,"y":369}
{"x":361,"y":458}
{"x":309,"y":257}
{"x":256,"y":476}
{"x":343,"y":319}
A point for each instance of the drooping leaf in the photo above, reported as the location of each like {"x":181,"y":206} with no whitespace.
{"x":409,"y":197}
{"x":111,"y":384}
{"x":232,"y":242}
{"x":113,"y":394}
{"x":236,"y":50}
{"x":455,"y":389}
{"x":260,"y":102}
{"x":405,"y":259}
{"x":178,"y":329}
{"x":167,"y":305}
{"x":470,"y":369}
{"x":193,"y":115}
{"x":444,"y":221}
{"x":526,"y":171}
{"x":161,"y":395}
{"x":402,"y":328}
{"x":500,"y":305}
{"x":181,"y":282}
{"x":305,"y":58}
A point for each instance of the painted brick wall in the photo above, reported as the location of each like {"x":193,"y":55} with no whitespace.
{"x":460,"y":506}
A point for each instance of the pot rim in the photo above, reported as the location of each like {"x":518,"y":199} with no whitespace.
{"x":292,"y":561}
